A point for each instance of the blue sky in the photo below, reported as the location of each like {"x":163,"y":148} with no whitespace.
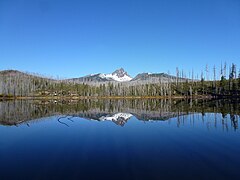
{"x":73,"y":38}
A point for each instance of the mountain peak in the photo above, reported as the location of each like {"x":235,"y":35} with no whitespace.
{"x":120,"y":72}
{"x":120,"y":75}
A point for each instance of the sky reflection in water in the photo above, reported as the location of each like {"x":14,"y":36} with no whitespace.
{"x":165,"y":140}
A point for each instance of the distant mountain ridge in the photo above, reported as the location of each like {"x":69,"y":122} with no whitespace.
{"x":120,"y":75}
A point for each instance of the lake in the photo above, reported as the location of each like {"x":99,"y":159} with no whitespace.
{"x":119,"y":139}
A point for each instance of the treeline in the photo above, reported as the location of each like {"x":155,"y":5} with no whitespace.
{"x":223,"y":87}
{"x":227,"y":85}
{"x":14,"y":83}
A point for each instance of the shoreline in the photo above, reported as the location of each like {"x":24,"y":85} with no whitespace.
{"x":116,"y":97}
{"x":109,"y":97}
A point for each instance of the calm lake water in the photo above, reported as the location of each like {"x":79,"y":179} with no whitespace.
{"x":120,"y":139}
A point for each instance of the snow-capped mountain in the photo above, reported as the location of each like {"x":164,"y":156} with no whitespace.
{"x":120,"y":75}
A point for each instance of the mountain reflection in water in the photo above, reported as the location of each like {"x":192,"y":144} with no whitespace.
{"x":120,"y":139}
{"x":121,"y":111}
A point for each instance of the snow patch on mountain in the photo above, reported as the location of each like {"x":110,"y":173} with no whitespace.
{"x":102,"y":76}
{"x":119,"y":75}
{"x":117,"y":78}
{"x":116,"y":117}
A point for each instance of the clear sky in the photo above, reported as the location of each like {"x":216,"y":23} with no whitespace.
{"x":72,"y":38}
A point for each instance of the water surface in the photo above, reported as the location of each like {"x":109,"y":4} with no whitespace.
{"x":119,"y":139}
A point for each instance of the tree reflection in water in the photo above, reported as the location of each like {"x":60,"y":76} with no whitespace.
{"x":120,"y":111}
